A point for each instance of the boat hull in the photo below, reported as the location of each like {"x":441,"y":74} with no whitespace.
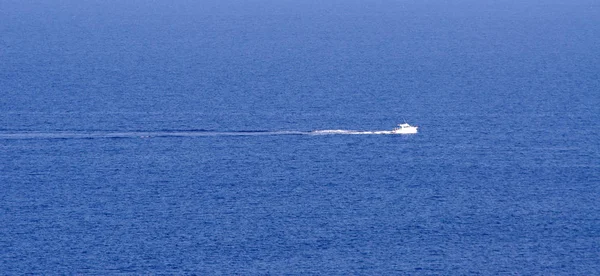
{"x":408,"y":130}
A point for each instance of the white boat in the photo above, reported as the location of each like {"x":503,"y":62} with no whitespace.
{"x":405,"y":129}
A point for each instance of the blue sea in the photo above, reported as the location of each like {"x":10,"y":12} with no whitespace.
{"x":221,"y":137}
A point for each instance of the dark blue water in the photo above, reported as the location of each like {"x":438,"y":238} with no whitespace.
{"x":174,"y":137}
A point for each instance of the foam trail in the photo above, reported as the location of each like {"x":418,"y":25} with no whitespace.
{"x":348,"y":132}
{"x":22,"y":135}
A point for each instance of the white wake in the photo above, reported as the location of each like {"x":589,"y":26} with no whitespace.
{"x":348,"y":132}
{"x":19,"y":135}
